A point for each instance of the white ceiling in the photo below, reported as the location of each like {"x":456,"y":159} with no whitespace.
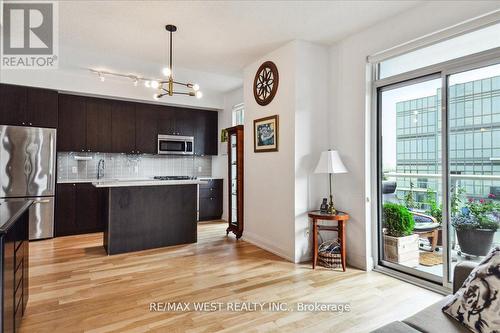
{"x":215,"y":40}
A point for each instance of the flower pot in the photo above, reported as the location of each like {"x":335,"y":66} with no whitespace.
{"x":402,"y":250}
{"x":475,"y":241}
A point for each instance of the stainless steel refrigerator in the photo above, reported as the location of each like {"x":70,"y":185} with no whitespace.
{"x":27,"y":171}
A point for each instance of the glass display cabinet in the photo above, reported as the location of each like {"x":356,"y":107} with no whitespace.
{"x":235,"y":177}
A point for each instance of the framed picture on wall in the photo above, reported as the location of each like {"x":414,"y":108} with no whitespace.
{"x":266,"y":134}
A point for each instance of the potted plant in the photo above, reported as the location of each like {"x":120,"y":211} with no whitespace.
{"x":436,"y":211}
{"x":400,"y":244}
{"x":476,"y":226}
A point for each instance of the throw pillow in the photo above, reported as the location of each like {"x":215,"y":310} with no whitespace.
{"x":477,"y":303}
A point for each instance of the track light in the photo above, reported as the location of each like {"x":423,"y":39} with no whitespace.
{"x":101,"y":77}
{"x":199,"y":94}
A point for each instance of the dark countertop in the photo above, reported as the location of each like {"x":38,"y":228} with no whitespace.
{"x":10,"y":211}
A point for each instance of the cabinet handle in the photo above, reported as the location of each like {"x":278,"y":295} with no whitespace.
{"x":31,"y":124}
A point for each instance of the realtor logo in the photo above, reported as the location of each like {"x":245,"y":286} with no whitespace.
{"x":29,"y":34}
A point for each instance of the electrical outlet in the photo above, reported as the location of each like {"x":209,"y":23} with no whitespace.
{"x":74,"y":169}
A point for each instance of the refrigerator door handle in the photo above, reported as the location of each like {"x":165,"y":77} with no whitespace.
{"x":41,"y":201}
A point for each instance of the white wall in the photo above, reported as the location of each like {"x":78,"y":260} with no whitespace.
{"x":269,"y":177}
{"x":279,"y":186}
{"x":348,"y":120}
{"x":311,"y":138}
{"x":84,"y":82}
{"x":219,"y":163}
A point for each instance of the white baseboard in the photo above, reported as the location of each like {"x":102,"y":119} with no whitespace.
{"x":266,"y":245}
{"x":356,"y":261}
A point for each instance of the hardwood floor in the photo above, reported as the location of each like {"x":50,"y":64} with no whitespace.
{"x":75,"y":287}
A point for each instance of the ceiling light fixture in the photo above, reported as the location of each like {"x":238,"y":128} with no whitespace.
{"x":166,"y":87}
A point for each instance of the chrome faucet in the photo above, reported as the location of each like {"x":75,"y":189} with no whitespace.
{"x":100,"y":169}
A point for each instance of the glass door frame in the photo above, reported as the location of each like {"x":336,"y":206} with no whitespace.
{"x":442,"y":70}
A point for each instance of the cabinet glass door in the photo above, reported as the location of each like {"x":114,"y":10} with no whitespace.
{"x":234,"y":180}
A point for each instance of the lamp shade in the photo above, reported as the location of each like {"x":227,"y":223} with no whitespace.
{"x":330,"y":162}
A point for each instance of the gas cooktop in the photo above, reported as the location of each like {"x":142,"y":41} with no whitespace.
{"x":173,"y":178}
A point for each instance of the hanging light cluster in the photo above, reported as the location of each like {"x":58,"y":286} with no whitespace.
{"x":166,"y":87}
{"x":163,"y":87}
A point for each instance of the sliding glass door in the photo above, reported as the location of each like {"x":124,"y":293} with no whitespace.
{"x":439,"y":170}
{"x":410,"y":170}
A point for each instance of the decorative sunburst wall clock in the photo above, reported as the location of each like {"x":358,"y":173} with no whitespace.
{"x":265,"y":84}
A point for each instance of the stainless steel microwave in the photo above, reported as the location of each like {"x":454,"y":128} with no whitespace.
{"x":175,"y":145}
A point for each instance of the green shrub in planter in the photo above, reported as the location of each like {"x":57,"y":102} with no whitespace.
{"x":398,"y":220}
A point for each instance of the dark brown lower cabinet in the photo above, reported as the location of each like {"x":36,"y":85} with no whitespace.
{"x":15,"y":263}
{"x":210,"y":204}
{"x":78,"y":209}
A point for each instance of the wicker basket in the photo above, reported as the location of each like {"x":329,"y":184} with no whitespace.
{"x":329,"y":254}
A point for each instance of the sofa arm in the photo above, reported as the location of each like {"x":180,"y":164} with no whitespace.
{"x":461,"y":272}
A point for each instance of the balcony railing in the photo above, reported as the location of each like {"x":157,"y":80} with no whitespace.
{"x":455,"y":182}
{"x":438,"y":176}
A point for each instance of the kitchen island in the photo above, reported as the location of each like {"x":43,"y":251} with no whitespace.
{"x":149,"y":214}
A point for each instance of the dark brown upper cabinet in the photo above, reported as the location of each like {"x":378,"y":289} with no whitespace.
{"x":72,"y":129}
{"x":176,"y":121}
{"x":12,"y":104}
{"x":146,"y":130}
{"x":26,"y":106}
{"x":98,"y":113}
{"x":123,"y":127}
{"x":184,"y":121}
{"x":206,"y":133}
{"x":42,"y":108}
{"x":166,"y":121}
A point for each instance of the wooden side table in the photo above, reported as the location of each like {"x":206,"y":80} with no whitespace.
{"x":341,"y":219}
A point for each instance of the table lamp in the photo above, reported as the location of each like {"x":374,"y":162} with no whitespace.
{"x":330,"y":163}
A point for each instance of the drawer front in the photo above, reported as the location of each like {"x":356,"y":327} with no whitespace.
{"x":19,"y":255}
{"x":18,"y":275}
{"x":18,"y":315}
{"x":212,"y":183}
{"x":210,"y":193}
{"x":19,"y":295}
{"x":210,"y":208}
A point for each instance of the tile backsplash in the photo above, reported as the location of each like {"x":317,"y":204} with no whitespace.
{"x":131,"y":166}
